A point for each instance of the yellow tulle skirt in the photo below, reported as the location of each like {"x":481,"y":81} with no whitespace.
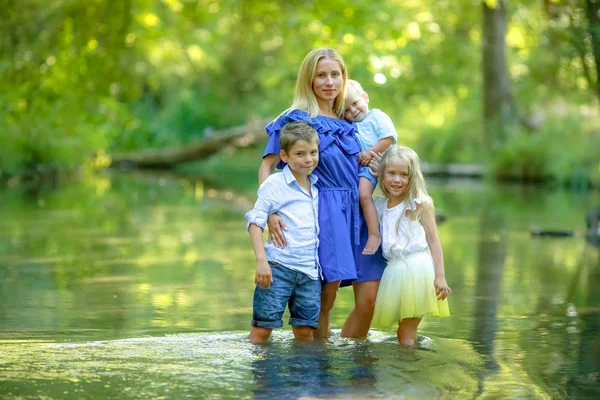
{"x":406,"y":291}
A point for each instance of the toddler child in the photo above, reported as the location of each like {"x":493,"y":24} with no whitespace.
{"x":375,"y":132}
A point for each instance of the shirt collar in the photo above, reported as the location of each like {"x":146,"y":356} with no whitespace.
{"x":289,"y":177}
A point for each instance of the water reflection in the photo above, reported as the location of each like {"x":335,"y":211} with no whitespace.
{"x":585,"y":382}
{"x":291,"y":371}
{"x":138,"y":257}
{"x":490,"y":268}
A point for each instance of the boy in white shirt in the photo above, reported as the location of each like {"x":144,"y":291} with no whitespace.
{"x":291,"y":274}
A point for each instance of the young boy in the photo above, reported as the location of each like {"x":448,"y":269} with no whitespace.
{"x":375,"y":132}
{"x":289,"y":275}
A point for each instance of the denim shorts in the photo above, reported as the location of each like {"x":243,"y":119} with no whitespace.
{"x":364,"y":172}
{"x":297,"y":290}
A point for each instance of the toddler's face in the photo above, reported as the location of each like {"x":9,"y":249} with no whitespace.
{"x":357,"y":107}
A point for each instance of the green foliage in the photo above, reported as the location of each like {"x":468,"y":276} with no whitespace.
{"x":565,"y":150}
{"x":78,"y":78}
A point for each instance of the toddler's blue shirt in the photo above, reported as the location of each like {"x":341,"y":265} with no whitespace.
{"x":375,"y":126}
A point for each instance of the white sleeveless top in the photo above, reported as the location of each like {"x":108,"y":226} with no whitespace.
{"x":408,"y":238}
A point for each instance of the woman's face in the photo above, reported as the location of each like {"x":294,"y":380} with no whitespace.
{"x":328,"y":81}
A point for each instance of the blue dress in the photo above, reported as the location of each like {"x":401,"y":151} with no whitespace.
{"x":343,"y":231}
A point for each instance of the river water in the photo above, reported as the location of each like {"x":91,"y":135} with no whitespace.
{"x":140,"y":285}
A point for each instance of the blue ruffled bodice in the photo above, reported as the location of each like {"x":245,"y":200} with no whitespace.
{"x":339,"y":211}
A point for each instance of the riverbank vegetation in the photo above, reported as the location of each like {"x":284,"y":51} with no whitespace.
{"x":508,"y":85}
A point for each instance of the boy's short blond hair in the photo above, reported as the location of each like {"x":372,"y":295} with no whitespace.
{"x":295,"y":131}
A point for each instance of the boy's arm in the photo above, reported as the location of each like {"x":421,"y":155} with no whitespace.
{"x":263,"y":276}
{"x":276,"y":224}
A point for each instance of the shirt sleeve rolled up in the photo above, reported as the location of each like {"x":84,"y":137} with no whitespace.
{"x":264,"y":206}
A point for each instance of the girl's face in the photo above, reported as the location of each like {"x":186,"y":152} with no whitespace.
{"x":328,"y":80}
{"x":396,"y":178}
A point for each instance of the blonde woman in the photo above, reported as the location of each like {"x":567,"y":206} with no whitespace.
{"x":319,"y":100}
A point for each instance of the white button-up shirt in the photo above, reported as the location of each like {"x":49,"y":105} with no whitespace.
{"x":282,"y":194}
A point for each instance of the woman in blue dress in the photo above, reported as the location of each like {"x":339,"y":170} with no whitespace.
{"x":319,"y":100}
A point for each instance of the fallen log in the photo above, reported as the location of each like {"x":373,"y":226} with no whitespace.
{"x":239,"y":136}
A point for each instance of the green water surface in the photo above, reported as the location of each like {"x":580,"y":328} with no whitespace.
{"x":135,"y":285}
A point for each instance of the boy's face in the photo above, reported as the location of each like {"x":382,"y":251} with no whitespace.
{"x":302,"y":157}
{"x":357,"y":106}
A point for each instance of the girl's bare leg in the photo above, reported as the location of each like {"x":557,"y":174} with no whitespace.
{"x":407,"y":331}
{"x":359,"y":321}
{"x":328,"y":295}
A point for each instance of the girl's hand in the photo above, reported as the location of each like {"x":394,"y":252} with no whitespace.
{"x":276,"y":228}
{"x":374,"y":163}
{"x":365,"y":158}
{"x":442,"y":290}
{"x":264,"y":274}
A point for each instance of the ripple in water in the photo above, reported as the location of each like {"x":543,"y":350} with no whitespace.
{"x":225,"y":365}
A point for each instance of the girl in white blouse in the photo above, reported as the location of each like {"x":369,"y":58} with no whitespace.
{"x":413,"y":284}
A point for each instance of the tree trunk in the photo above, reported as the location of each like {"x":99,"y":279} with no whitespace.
{"x":240,"y":136}
{"x":498,"y":103}
{"x":593,"y":8}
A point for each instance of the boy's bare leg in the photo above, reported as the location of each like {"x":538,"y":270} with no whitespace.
{"x":407,"y":331}
{"x":365,"y":190}
{"x":303,"y":333}
{"x":259,"y":335}
{"x":328,"y":295}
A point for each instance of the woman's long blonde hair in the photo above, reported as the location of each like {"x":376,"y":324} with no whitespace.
{"x":304,"y":97}
{"x":416,"y":182}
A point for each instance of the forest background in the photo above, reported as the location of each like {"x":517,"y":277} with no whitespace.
{"x":511,"y":86}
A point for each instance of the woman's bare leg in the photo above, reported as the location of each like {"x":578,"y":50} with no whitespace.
{"x":359,"y":321}
{"x":328,"y":295}
{"x":407,"y":331}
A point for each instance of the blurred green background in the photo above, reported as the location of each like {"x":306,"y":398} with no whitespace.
{"x":82,"y":79}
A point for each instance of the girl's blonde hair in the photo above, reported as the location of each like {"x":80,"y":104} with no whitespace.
{"x":416,"y":182}
{"x":304,"y":97}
